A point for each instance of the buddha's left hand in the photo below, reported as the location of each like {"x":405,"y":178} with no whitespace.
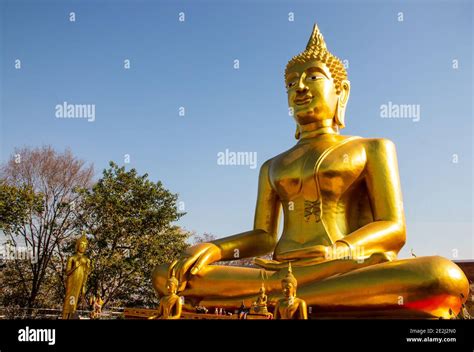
{"x":301,"y":257}
{"x":318,"y":251}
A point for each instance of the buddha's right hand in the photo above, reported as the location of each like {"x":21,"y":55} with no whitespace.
{"x":194,"y":259}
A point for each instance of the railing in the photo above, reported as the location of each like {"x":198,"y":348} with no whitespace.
{"x":52,"y":313}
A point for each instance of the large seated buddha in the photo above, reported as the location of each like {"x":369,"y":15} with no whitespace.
{"x":344,"y":221}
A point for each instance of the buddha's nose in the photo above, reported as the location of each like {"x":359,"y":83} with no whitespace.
{"x":301,"y":88}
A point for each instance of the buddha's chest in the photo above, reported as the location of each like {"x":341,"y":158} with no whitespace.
{"x":314,"y":170}
{"x":80,"y":261}
{"x":168,"y":303}
{"x":288,"y":311}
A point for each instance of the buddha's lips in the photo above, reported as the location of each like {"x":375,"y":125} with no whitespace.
{"x":303,"y":101}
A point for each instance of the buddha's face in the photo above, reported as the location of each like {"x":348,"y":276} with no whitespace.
{"x":311,"y":92}
{"x":288,"y":289}
{"x":81,"y":247}
{"x":171,"y":287}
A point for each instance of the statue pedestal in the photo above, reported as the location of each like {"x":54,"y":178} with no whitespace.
{"x":258,"y":316}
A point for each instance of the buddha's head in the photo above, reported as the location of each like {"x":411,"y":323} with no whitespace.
{"x":317,"y":86}
{"x":172,"y":284}
{"x":262,"y":290}
{"x":289,"y":284}
{"x":81,"y":244}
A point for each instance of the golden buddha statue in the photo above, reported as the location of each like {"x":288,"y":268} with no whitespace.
{"x":77,"y":270}
{"x":290,"y":307}
{"x":344,"y":221}
{"x":260,"y":304}
{"x":170,"y":306}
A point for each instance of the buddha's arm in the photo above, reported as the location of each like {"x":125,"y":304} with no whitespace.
{"x":387,"y":232}
{"x":303,"y":310}
{"x":262,"y":239}
{"x":159,"y":314}
{"x":276,"y":312}
{"x":86,"y":276}
{"x":69,"y":266}
{"x":178,"y":307}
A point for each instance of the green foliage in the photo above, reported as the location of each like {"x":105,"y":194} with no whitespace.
{"x":36,"y":215}
{"x":130,"y":221}
{"x":16,"y":203}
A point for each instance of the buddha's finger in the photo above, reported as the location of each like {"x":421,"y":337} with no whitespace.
{"x":171,"y":268}
{"x":203,"y":260}
{"x":179,"y":269}
{"x":270,"y":265}
{"x":186,"y":265}
{"x":307,"y":262}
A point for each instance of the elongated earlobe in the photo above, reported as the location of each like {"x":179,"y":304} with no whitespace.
{"x":297,"y":132}
{"x":339,"y":117}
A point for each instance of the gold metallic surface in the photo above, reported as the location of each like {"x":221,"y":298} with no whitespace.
{"x":260,"y":304}
{"x":290,"y":307}
{"x":170,"y":306}
{"x":344,"y":222}
{"x":77,"y":270}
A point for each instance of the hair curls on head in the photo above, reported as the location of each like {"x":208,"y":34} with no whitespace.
{"x":316,"y":50}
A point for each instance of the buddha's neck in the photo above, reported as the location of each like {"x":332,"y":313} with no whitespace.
{"x":317,"y":128}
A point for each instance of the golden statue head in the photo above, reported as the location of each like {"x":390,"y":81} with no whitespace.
{"x":81,"y":243}
{"x":289,"y":283}
{"x":262,"y":289}
{"x":318,"y":89}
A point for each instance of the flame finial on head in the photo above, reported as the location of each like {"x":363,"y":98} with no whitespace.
{"x":316,"y":50}
{"x":316,"y":41}
{"x":290,"y":278}
{"x":172,"y":278}
{"x":82,"y":239}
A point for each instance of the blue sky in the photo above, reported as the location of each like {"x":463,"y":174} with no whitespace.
{"x":190,"y":64}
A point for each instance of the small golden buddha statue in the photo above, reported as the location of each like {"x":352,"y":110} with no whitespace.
{"x":170,"y":306}
{"x":290,"y":307}
{"x":339,"y":194}
{"x":96,"y":302}
{"x":260,"y":305}
{"x":77,"y":270}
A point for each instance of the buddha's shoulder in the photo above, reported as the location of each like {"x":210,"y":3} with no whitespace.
{"x":376,"y":145}
{"x":367,"y":142}
{"x":300,"y":301}
{"x":371,"y":146}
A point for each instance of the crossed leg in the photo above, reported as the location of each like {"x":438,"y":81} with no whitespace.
{"x":430,"y":285}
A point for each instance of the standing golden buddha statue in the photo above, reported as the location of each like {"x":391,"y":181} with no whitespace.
{"x":77,"y":270}
{"x":344,"y":222}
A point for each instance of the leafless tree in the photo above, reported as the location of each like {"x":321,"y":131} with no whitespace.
{"x":54,"y":176}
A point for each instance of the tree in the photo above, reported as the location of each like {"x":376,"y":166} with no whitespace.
{"x":130,"y":223}
{"x":37,"y":214}
{"x":15,"y":205}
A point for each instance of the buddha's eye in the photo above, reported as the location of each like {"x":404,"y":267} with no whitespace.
{"x":291,"y":84}
{"x":314,"y":78}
